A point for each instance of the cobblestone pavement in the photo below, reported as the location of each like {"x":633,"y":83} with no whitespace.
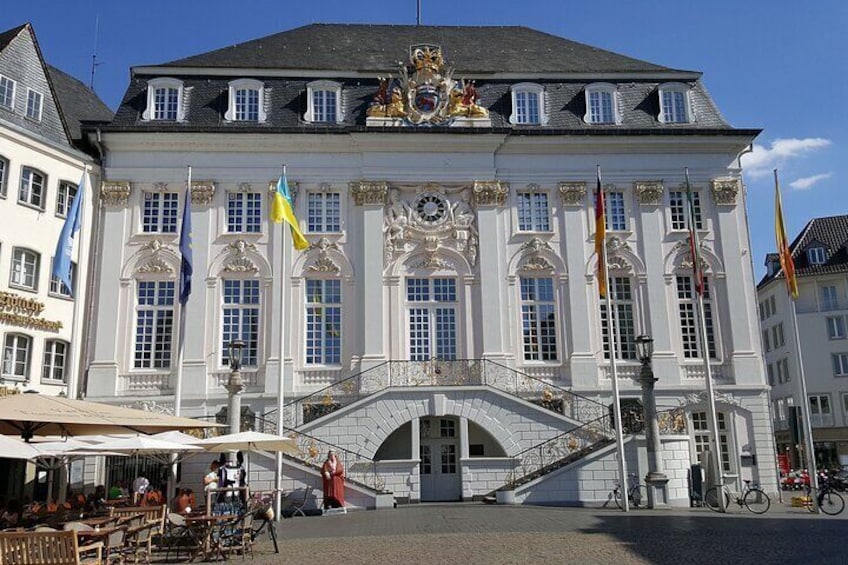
{"x":472,"y":534}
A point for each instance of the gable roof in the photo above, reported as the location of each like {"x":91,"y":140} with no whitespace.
{"x":78,"y":102}
{"x":375,"y":48}
{"x":831,"y":232}
{"x":7,"y":36}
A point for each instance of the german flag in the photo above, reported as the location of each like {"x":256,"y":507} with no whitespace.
{"x":600,"y":237}
{"x":783,"y":251}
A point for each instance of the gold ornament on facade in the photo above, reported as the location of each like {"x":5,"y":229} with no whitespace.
{"x":648,"y":193}
{"x":115,"y":192}
{"x":725,"y":191}
{"x":369,"y":193}
{"x":202,"y":192}
{"x":490,"y":193}
{"x":572,"y":193}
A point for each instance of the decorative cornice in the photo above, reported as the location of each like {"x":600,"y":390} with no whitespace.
{"x":240,"y":247}
{"x":725,"y":191}
{"x":323,"y":245}
{"x":695,"y":398}
{"x":202,"y":192}
{"x":160,"y":186}
{"x":490,"y":192}
{"x":244,"y":187}
{"x":648,"y":192}
{"x":537,"y":264}
{"x":154,"y":245}
{"x":155,"y":266}
{"x":369,"y":193}
{"x":572,"y":193}
{"x":241,"y":264}
{"x":615,"y":244}
{"x":323,"y":265}
{"x":618,"y":264}
{"x":115,"y":192}
{"x":535,"y":245}
{"x":434,"y":262}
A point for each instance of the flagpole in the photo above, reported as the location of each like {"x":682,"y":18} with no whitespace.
{"x":612,"y":330}
{"x":810,"y":451}
{"x":278,"y":483}
{"x":698,"y":285}
{"x":74,"y":357}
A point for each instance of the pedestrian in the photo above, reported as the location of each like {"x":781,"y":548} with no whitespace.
{"x":332,"y":472}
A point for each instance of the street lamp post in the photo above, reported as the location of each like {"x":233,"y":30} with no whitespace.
{"x":655,"y":480}
{"x":234,"y":387}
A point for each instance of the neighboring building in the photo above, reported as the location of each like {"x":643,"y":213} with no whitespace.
{"x":820,"y":253}
{"x":42,"y":157}
{"x":444,"y":327}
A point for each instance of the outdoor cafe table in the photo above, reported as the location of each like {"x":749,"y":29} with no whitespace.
{"x":99,"y":534}
{"x":207,"y":523}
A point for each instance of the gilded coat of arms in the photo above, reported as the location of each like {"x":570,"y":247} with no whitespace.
{"x":425,"y":93}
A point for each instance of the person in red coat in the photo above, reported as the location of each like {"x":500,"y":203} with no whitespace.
{"x":332,"y":472}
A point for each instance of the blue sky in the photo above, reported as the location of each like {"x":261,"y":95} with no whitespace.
{"x":778,"y":65}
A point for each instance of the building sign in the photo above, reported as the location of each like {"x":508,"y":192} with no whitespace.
{"x":17,"y":310}
{"x":8,"y":391}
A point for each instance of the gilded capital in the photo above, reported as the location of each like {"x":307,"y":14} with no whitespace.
{"x":725,"y":191}
{"x":369,"y":192}
{"x":490,"y":192}
{"x":115,"y":192}
{"x":572,"y":193}
{"x":202,"y":192}
{"x":648,"y":192}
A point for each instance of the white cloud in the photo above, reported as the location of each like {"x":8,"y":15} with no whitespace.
{"x":807,"y":183}
{"x":762,"y":160}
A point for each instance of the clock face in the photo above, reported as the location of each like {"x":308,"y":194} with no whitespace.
{"x":431,"y":208}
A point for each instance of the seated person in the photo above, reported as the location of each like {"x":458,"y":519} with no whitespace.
{"x":153,"y":497}
{"x":12,"y":514}
{"x":182,"y":504}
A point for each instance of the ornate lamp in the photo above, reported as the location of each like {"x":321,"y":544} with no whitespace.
{"x":644,"y":348}
{"x":235,"y":351}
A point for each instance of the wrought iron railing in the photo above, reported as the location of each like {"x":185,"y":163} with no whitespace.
{"x":437,"y":372}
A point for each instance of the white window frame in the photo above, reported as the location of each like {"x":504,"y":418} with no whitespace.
{"x":612,"y":223}
{"x":702,"y":437}
{"x":4,"y":176}
{"x":678,"y":88}
{"x":691,"y":346}
{"x":840,"y":364}
{"x":65,"y":195}
{"x":621,"y":305}
{"x":58,"y":287}
{"x":835,"y":327}
{"x":20,"y":283}
{"x":12,"y":345}
{"x":238,"y":212}
{"x":33,"y":94}
{"x":533,"y":330}
{"x":539,"y":221}
{"x":244,"y":314}
{"x":783,"y":371}
{"x":157,"y":211}
{"x":30,"y":192}
{"x":530,"y":88}
{"x":160,"y":312}
{"x":678,"y":209}
{"x":319,"y":211}
{"x":819,"y":418}
{"x":427,"y":311}
{"x":599,"y":89}
{"x":52,"y":357}
{"x":311,"y":114}
{"x":14,"y":84}
{"x":320,"y":311}
{"x":153,"y":85}
{"x":232,"y":113}
{"x":816,"y":255}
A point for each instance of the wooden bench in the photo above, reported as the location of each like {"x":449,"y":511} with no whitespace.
{"x":151,"y":514}
{"x":47,"y":548}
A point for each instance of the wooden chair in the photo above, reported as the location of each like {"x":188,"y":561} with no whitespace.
{"x":47,"y":548}
{"x":139,"y":542}
{"x":179,"y":537}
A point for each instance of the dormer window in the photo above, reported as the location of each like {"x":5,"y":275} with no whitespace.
{"x":246,"y":101}
{"x":528,"y":105}
{"x":674,"y":104}
{"x":164,"y":100}
{"x":323,"y":102}
{"x":601,"y":104}
{"x":816,"y":255}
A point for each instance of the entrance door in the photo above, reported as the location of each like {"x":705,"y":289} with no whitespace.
{"x":439,"y":453}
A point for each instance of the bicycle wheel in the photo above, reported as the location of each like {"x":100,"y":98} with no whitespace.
{"x":616,"y":494}
{"x":638,"y":496}
{"x":831,"y":503}
{"x":711,"y":499}
{"x":757,"y":501}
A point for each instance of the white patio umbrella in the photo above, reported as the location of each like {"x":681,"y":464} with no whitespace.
{"x":249,"y":441}
{"x":140,"y":445}
{"x":176,"y":437}
{"x":15,"y":448}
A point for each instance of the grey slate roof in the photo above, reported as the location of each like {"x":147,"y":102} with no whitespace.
{"x":829,"y":232}
{"x":7,"y":36}
{"x":377,"y":48}
{"x":78,"y":102}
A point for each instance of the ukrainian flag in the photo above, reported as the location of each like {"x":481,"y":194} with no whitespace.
{"x":282,"y":209}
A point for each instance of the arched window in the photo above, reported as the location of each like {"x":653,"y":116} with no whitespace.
{"x":528,"y":104}
{"x":601,"y":104}
{"x":246,"y":101}
{"x":164,"y":100}
{"x":54,"y":368}
{"x":323,"y":102}
{"x":674,"y":104}
{"x":17,"y":350}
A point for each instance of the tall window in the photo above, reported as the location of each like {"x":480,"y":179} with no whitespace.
{"x":16,"y":355}
{"x":538,"y":319}
{"x":680,"y":210}
{"x":674,"y":104}
{"x":432,"y":311}
{"x":324,"y":212}
{"x":835,"y":327}
{"x":65,"y":198}
{"x":160,"y":212}
{"x":770,"y":371}
{"x":154,"y":324}
{"x":777,"y":335}
{"x":783,"y":375}
{"x":25,"y":268}
{"x":4,"y":173}
{"x":7,"y":93}
{"x":323,"y":322}
{"x":166,"y":103}
{"x":701,"y":429}
{"x":600,"y":104}
{"x":241,"y":319}
{"x":830,"y":299}
{"x":247,"y":104}
{"x":840,"y":364}
{"x":766,"y":342}
{"x":324,"y":106}
{"x":55,"y":358}
{"x":244,"y":212}
{"x":59,"y":287}
{"x":527,"y":104}
{"x":533,"y":211}
{"x":687,"y":298}
{"x":820,"y":412}
{"x":615,"y":213}
{"x":621,"y":297}
{"x":33,"y":185}
{"x":34,"y":101}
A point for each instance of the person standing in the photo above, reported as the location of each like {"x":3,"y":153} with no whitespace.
{"x":332,"y":472}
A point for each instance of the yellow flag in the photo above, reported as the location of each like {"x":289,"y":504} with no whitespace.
{"x":283,"y":210}
{"x":783,"y":251}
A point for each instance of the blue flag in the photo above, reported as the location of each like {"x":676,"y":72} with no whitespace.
{"x":64,"y":247}
{"x":186,"y":266}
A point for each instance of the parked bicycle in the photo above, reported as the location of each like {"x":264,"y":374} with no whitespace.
{"x":637,"y":494}
{"x":752,"y":497}
{"x":262,"y":507}
{"x":828,"y":500}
